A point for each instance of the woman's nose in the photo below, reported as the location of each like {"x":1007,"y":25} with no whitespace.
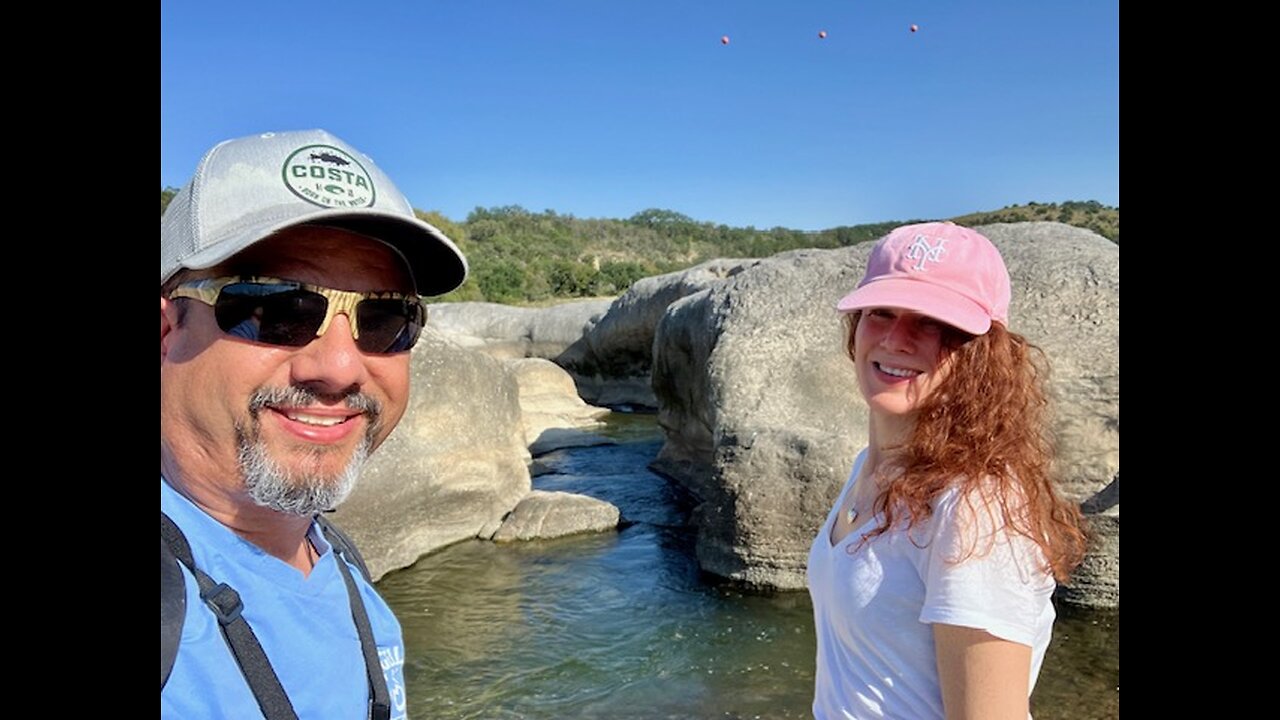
{"x":900,"y":337}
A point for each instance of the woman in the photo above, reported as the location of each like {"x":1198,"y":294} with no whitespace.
{"x":931,"y":577}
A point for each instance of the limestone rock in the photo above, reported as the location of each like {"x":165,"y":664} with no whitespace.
{"x":545,"y":515}
{"x":1096,"y":583}
{"x":1066,"y":299}
{"x":558,"y":438}
{"x":611,"y":363}
{"x":758,"y":404}
{"x":505,"y":331}
{"x":554,"y":416}
{"x":453,"y":468}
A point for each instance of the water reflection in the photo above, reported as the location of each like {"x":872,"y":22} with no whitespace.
{"x":1081,"y":674}
{"x":624,"y":625}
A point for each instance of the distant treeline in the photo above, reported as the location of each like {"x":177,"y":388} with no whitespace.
{"x":518,"y":256}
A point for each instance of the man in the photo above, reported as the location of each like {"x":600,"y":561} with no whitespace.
{"x":290,"y":275}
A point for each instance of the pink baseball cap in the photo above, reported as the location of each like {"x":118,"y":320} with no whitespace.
{"x":939,"y":269}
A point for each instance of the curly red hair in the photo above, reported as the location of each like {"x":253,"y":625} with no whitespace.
{"x":984,"y":427}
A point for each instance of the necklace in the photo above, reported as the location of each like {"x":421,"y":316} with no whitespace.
{"x":850,"y":515}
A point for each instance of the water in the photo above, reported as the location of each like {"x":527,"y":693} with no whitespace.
{"x":624,"y":625}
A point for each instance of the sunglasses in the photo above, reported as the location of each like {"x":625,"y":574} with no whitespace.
{"x":292,"y":314}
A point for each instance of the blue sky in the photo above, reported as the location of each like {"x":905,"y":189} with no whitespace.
{"x":607,"y":107}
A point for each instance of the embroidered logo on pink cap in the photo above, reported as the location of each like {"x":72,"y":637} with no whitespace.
{"x":942,"y":270}
{"x":922,"y":251}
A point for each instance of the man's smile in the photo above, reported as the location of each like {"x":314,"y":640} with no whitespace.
{"x":310,"y":418}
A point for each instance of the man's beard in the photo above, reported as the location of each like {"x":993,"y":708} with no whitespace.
{"x":308,"y":491}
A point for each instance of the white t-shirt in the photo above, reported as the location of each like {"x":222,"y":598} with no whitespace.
{"x":873,"y":605}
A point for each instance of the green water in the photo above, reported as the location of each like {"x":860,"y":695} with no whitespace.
{"x":624,"y":625}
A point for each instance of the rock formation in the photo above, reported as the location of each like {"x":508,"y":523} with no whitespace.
{"x":612,"y":361}
{"x":762,"y":414}
{"x":553,"y":414}
{"x":457,"y":465}
{"x":505,"y":331}
{"x":454,"y":467}
{"x":545,"y":515}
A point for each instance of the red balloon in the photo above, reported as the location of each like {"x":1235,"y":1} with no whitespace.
{"x":822,"y":33}
{"x":915,"y":28}
{"x":724,"y":40}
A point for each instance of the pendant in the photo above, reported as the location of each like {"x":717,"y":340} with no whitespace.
{"x":851,"y":516}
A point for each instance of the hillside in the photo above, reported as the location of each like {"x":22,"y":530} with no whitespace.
{"x":1091,"y":215}
{"x":518,"y":256}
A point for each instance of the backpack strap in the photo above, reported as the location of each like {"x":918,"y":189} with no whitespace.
{"x":173,"y":610}
{"x":226,"y":606}
{"x":379,"y":696}
{"x":345,"y":546}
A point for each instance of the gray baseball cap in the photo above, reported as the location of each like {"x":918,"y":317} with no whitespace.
{"x":246,"y":189}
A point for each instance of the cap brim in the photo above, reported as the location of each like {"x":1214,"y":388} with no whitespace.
{"x":436,"y":263}
{"x":928,"y":299}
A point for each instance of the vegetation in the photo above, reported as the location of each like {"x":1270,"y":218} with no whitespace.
{"x":166,"y":194}
{"x":519,"y":256}
{"x":1091,"y":214}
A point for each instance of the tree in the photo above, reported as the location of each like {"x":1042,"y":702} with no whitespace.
{"x":166,"y":194}
{"x":618,"y":276}
{"x":501,"y":281}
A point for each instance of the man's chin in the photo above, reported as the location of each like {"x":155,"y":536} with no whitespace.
{"x":305,"y":485}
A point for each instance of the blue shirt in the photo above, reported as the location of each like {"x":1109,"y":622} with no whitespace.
{"x":303,"y":623}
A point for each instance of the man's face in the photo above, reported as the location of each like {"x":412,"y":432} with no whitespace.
{"x":282,"y":427}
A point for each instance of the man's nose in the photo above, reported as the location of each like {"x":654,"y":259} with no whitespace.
{"x":331,"y":363}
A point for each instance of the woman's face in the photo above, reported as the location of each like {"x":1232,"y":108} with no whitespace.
{"x":899,"y":356}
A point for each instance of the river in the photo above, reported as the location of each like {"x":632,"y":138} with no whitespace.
{"x":625,"y":625}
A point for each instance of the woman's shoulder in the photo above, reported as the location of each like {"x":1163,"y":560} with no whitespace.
{"x":988,"y":502}
{"x":985,"y":520}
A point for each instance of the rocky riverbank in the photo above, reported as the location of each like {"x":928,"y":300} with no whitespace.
{"x":743,"y":360}
{"x":457,"y":467}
